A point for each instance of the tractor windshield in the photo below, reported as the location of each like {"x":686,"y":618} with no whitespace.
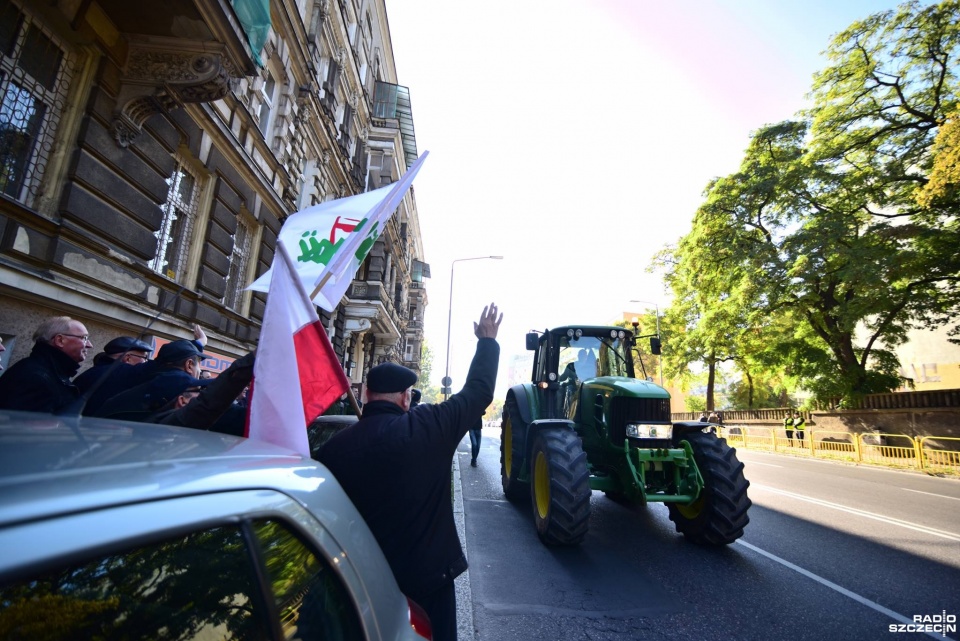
{"x":578,"y":359}
{"x":613,"y":361}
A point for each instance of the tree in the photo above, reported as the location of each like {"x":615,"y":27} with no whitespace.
{"x":429,"y":393}
{"x":816,"y":256}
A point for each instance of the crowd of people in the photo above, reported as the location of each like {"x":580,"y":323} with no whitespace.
{"x":393,"y":463}
{"x":124,"y":382}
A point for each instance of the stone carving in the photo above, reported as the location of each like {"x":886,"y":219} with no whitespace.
{"x":163,"y":73}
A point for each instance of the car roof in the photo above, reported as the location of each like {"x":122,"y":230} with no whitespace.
{"x":50,"y":465}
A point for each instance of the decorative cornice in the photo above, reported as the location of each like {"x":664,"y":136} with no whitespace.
{"x":162,"y":74}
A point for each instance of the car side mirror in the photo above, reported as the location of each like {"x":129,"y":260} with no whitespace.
{"x":655,"y":345}
{"x":533,"y":341}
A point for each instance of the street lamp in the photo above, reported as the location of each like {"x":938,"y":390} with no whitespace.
{"x":656,"y":307}
{"x":446,"y":370}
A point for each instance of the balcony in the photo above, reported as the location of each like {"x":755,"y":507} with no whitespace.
{"x":392,"y":102}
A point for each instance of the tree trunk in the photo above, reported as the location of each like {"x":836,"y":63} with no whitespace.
{"x":711,"y":377}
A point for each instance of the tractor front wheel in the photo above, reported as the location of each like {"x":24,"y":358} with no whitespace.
{"x":719,"y":514}
{"x":512,"y":434}
{"x":560,"y":487}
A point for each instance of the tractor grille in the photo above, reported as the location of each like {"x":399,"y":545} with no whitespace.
{"x":635,"y":410}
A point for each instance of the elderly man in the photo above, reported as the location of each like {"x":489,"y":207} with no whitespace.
{"x":41,"y":382}
{"x":394,"y":464}
{"x":161,"y":381}
{"x":108,"y":377}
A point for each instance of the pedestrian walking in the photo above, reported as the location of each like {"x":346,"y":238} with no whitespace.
{"x":394,"y":464}
{"x":42,"y":382}
{"x":788,"y":426}
{"x":475,"y":434}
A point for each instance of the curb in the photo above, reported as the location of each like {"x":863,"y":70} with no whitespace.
{"x":465,"y":626}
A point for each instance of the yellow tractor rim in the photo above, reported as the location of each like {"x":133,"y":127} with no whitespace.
{"x":541,"y":484}
{"x":692,"y":510}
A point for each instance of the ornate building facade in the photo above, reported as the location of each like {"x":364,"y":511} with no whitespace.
{"x":151,"y":152}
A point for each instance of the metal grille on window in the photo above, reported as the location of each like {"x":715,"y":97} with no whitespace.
{"x":35,"y":73}
{"x":238,"y":266}
{"x":179,"y":212}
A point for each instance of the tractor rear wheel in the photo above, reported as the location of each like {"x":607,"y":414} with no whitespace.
{"x":512,"y":433}
{"x":559,"y":487}
{"x":719,"y":514}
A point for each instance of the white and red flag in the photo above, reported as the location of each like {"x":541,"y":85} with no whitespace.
{"x":296,"y":376}
{"x":330,"y":240}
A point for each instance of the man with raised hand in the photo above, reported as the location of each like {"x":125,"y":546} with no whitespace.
{"x":394,"y":463}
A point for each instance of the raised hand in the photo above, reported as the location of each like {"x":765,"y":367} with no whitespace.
{"x":489,"y":322}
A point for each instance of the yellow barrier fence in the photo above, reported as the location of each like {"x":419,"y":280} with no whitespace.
{"x":938,"y":459}
{"x":899,"y":450}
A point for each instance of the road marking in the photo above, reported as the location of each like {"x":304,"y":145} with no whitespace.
{"x":759,"y":463}
{"x":942,"y":496}
{"x":870,"y":515}
{"x":837,"y":588}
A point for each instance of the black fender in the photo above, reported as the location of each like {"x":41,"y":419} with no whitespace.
{"x":543,"y":424}
{"x":519,"y":394}
{"x":681,"y":428}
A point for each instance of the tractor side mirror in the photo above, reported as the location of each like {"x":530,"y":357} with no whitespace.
{"x":655,"y":345}
{"x":533,"y":341}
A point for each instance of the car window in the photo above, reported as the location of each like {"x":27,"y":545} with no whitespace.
{"x":199,"y":586}
{"x":311,"y":601}
{"x":195,"y":587}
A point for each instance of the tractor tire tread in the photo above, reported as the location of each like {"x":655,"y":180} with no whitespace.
{"x":726,"y":503}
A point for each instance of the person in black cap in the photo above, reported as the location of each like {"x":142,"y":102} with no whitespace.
{"x":109,"y":377}
{"x":174,"y":369}
{"x":394,"y":464}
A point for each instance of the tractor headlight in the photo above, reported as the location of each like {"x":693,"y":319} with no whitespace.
{"x":642,"y":430}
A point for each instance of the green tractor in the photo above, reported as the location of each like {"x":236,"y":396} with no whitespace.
{"x":585,"y":423}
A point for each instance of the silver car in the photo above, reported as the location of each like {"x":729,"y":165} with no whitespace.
{"x":112,"y":530}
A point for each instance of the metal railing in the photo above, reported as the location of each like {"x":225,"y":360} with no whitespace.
{"x":896,"y":450}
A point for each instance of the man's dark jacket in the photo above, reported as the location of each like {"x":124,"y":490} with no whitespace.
{"x":116,"y":375}
{"x":40,"y":382}
{"x":159,"y":384}
{"x":395,"y":467}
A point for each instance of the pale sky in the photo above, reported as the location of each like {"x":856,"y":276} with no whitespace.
{"x":575,"y":139}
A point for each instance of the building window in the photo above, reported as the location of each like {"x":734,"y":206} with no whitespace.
{"x":239,"y":259}
{"x":267,"y":102}
{"x":179,"y":212}
{"x":34,"y":78}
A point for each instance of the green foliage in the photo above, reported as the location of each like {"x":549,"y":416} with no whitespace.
{"x":430,"y":393}
{"x":816,"y":252}
{"x":696,"y":403}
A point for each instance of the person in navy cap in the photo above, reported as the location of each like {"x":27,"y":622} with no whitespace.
{"x":112,"y":371}
{"x":174,"y":369}
{"x":394,"y":464}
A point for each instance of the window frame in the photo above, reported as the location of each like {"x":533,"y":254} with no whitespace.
{"x":186,"y":267}
{"x":46,"y":159}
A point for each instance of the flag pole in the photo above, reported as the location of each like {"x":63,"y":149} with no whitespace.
{"x":316,"y":290}
{"x":292,"y":267}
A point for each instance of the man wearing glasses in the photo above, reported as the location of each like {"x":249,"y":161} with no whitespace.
{"x":41,"y":382}
{"x":116,"y":376}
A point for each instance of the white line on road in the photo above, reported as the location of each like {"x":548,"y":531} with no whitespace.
{"x":759,"y":463}
{"x":833,"y":586}
{"x":931,"y":494}
{"x":870,"y":515}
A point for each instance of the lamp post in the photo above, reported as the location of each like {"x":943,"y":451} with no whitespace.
{"x":656,"y":308}
{"x":446,"y":382}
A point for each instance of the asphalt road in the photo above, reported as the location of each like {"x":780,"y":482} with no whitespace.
{"x":832,"y":551}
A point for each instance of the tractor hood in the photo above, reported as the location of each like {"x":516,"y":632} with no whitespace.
{"x":622,"y":386}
